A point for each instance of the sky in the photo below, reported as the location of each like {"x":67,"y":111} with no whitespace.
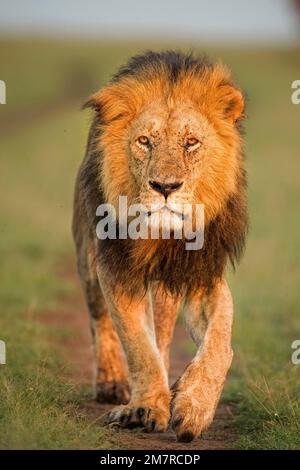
{"x":212,"y":20}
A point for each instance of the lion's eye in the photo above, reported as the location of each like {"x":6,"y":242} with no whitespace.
{"x":143,"y":140}
{"x":192,"y":141}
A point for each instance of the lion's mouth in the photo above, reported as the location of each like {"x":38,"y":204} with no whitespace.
{"x":165,"y":210}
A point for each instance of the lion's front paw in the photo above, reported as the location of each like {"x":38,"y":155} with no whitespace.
{"x":149,"y":418}
{"x":190,"y":415}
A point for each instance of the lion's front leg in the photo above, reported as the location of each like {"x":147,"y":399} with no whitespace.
{"x":197,"y":392}
{"x":150,"y":396}
{"x":165,"y":309}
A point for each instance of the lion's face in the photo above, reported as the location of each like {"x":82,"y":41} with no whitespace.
{"x":170,"y":153}
{"x":165,"y":146}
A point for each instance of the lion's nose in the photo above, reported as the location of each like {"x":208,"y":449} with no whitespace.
{"x":165,"y":188}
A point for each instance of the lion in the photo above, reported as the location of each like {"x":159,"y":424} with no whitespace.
{"x":167,"y":129}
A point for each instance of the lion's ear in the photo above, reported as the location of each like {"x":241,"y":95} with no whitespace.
{"x":90,"y":103}
{"x":108,"y":102}
{"x":232,"y":102}
{"x":94,"y":102}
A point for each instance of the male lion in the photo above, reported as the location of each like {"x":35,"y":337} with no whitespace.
{"x":166,"y":130}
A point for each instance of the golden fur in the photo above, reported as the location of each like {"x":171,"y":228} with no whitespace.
{"x":166,"y":100}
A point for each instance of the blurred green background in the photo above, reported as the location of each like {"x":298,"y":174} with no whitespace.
{"x":42,"y":141}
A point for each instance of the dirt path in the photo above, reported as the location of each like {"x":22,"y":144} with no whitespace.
{"x":79,"y":357}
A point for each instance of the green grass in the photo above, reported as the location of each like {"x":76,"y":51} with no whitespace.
{"x":38,"y":165}
{"x":265,"y":288}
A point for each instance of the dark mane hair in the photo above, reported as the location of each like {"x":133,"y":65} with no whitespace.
{"x":175,"y":61}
